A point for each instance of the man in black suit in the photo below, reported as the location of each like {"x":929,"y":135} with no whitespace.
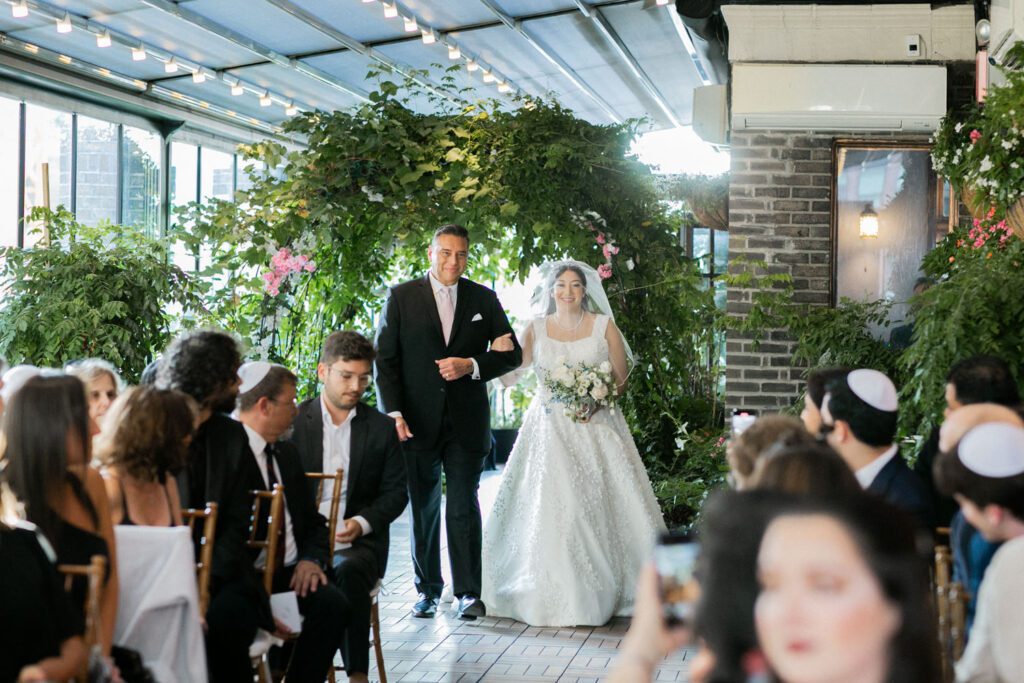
{"x":859,"y":419}
{"x":266,"y":409}
{"x":336,"y":430}
{"x":433,"y":365}
{"x":205,"y":365}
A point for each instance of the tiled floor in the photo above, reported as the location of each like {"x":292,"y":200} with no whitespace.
{"x":489,"y":649}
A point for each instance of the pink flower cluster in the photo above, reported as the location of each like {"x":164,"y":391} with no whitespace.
{"x":987,"y":230}
{"x":282,"y":265}
{"x":975,"y":135}
{"x":609,"y":249}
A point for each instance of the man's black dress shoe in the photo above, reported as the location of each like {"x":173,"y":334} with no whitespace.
{"x":471,"y":607}
{"x":425,"y":608}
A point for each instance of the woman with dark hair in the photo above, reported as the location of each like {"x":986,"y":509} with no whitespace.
{"x":144,"y":439}
{"x":40,"y":632}
{"x":844,"y":595}
{"x":47,"y":427}
{"x":813,"y":469}
{"x":814,"y":396}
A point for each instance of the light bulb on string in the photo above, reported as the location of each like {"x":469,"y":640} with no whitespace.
{"x":64,"y":24}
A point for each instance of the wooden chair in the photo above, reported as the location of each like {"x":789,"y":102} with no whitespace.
{"x":94,"y":573}
{"x":951,"y":609}
{"x":273,"y":503}
{"x":332,"y":525}
{"x":207,"y":536}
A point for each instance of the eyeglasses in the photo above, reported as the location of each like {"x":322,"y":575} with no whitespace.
{"x":363,"y":379}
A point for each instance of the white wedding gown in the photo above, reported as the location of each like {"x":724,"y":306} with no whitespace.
{"x":575,"y":517}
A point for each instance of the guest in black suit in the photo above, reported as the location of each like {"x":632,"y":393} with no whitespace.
{"x":433,"y":366}
{"x":363,"y":442}
{"x":266,"y":408}
{"x":205,"y":365}
{"x":859,"y":415}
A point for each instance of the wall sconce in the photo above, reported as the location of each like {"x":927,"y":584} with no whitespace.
{"x":868,"y":223}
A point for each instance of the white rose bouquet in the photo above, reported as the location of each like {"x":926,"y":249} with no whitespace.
{"x":582,"y":389}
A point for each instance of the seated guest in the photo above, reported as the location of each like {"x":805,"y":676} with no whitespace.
{"x":859,"y":422}
{"x":48,"y":451}
{"x":985,"y":473}
{"x":102,"y":384}
{"x":41,"y":634}
{"x":145,"y":438}
{"x":335,"y":430}
{"x":814,"y":394}
{"x":204,"y":365}
{"x":844,"y":595}
{"x":812,"y":470}
{"x":266,"y":408}
{"x":744,"y":450}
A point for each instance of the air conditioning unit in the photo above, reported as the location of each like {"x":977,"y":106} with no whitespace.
{"x":840,"y":97}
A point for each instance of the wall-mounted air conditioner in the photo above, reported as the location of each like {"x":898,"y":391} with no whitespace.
{"x":841,"y":97}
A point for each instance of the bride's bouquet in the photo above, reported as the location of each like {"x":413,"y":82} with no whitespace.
{"x":580,"y":388}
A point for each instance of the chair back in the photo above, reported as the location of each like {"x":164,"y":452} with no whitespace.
{"x":941,"y":580}
{"x":321,"y":478}
{"x":207,"y":533}
{"x":94,"y":573}
{"x":272,"y":519}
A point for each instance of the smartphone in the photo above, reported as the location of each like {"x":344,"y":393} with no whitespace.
{"x":675,"y":558}
{"x":742,"y":419}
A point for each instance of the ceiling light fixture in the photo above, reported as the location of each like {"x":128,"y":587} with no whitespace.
{"x":237,"y":90}
{"x":489,"y":77}
{"x":171,"y":66}
{"x":19,"y":10}
{"x":64,"y":59}
{"x":103,"y":39}
{"x":429,"y":37}
{"x":64,"y":24}
{"x":504,"y":87}
{"x":410,"y":24}
{"x":471,"y":65}
{"x":453,"y":51}
{"x":198,"y":76}
{"x":138,"y":53}
{"x":291,"y":109}
{"x":390,"y":10}
{"x":265,"y":100}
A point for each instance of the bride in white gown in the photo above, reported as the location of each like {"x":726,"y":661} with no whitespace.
{"x":575,"y":517}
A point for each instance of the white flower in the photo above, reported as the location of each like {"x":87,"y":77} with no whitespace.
{"x":599,"y":392}
{"x":605,"y":367}
{"x":582,"y":391}
{"x":986,"y":165}
{"x":630,"y":265}
{"x":1007,"y":144}
{"x":959,"y":127}
{"x":371,"y":195}
{"x":1014,"y":164}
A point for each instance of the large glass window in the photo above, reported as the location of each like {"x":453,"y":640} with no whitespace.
{"x":141,"y":193}
{"x":10,"y":143}
{"x":218,"y":172}
{"x":47,"y":162}
{"x":96,"y":171}
{"x":184,"y":189}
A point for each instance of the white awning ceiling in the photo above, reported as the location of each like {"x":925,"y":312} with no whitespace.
{"x":607,"y":61}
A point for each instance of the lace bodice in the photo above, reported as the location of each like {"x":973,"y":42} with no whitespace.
{"x":548,"y":352}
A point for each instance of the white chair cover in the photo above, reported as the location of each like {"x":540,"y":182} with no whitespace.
{"x":158,"y":601}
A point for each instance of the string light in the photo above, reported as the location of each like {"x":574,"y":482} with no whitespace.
{"x":138,"y":53}
{"x":291,"y":109}
{"x":489,"y":77}
{"x":429,"y":37}
{"x":453,"y":51}
{"x":471,"y":65}
{"x":410,"y":24}
{"x":265,"y":100}
{"x":19,"y":10}
{"x":237,"y":90}
{"x":171,"y":66}
{"x":198,"y":76}
{"x":103,"y":39}
{"x":64,"y":24}
{"x":64,"y":59}
{"x":504,"y":87}
{"x":390,"y":11}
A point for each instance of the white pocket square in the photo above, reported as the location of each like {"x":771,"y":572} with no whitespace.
{"x":477,"y":317}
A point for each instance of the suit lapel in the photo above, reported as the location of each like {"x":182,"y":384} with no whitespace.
{"x":315,"y":436}
{"x":356,"y":449}
{"x":885,"y":476}
{"x":461,"y":306}
{"x":430,"y":304}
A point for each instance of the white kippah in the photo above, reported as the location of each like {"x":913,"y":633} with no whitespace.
{"x":993,"y":449}
{"x":16,"y":377}
{"x":874,"y":388}
{"x":252,"y":374}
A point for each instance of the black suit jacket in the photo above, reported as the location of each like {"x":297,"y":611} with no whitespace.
{"x":897,"y":484}
{"x":377,"y":487}
{"x":409,"y":340}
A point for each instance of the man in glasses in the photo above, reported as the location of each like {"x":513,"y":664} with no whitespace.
{"x":336,"y":430}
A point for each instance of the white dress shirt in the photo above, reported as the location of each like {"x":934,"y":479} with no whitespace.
{"x":865,"y":475}
{"x":338,"y":453}
{"x":291,"y":550}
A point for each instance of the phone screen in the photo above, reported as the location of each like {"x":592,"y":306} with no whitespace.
{"x":675,"y":558}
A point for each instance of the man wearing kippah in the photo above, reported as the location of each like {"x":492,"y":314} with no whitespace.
{"x":985,"y":474}
{"x":859,"y":416}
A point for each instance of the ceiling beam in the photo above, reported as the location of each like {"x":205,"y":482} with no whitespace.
{"x":593,"y":12}
{"x":176,"y":10}
{"x":560,"y":64}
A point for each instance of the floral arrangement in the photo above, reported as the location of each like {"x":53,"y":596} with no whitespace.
{"x":951,"y":142}
{"x":581,"y":388}
{"x":609,"y":249}
{"x":283,"y":265}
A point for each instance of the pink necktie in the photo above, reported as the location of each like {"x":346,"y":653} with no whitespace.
{"x":447,"y":313}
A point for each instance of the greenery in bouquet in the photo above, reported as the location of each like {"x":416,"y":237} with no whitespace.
{"x":994,"y":159}
{"x":581,"y":388}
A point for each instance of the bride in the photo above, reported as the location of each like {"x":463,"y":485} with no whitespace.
{"x":575,"y":517}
